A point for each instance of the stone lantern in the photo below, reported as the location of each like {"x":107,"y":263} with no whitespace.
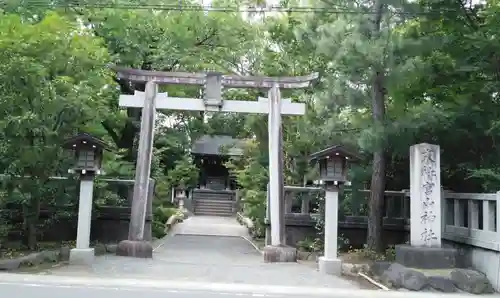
{"x":87,"y":162}
{"x":180,"y":196}
{"x":333,"y":167}
{"x":180,"y":192}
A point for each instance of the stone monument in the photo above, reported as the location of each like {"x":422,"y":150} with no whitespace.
{"x":425,"y":250}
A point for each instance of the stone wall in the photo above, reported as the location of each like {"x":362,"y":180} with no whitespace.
{"x":302,"y":210}
{"x":110,"y":218}
{"x":352,"y":228}
{"x":109,"y":224}
{"x":484,"y":260}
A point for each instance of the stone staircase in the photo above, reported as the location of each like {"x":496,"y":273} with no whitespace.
{"x":213,"y":202}
{"x":216,"y":183}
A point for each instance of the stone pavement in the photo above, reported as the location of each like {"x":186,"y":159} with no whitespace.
{"x":211,"y":226}
{"x":209,"y":250}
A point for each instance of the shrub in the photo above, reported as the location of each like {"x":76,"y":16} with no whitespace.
{"x":161,"y":214}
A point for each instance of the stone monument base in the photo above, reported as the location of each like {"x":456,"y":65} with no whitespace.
{"x":423,"y":257}
{"x":281,"y":254}
{"x":330,"y":266}
{"x":81,"y":256}
{"x":136,"y":249}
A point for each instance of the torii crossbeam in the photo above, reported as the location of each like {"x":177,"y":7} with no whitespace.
{"x":233,"y":81}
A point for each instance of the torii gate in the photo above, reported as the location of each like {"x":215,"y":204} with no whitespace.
{"x":151,"y":100}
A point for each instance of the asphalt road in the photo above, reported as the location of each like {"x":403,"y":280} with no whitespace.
{"x":28,"y":286}
{"x":39,"y":291}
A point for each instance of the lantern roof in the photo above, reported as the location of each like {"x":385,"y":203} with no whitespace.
{"x":335,"y":150}
{"x":85,"y":138}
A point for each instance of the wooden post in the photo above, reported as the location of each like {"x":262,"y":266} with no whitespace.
{"x":274,"y":166}
{"x":143,"y":167}
{"x":135,"y":246}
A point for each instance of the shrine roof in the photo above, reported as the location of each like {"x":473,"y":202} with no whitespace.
{"x":333,"y":150}
{"x":218,"y":145}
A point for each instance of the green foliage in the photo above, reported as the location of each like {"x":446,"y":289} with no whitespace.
{"x":53,"y":82}
{"x":108,"y":193}
{"x":47,"y":91}
{"x":365,"y":253}
{"x":115,"y":166}
{"x":308,"y":245}
{"x":161,"y":215}
{"x":184,"y":174}
{"x":252,"y":178}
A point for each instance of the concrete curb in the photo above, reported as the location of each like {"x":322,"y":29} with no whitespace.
{"x":247,"y":222}
{"x":243,"y":220}
{"x":169,"y":228}
{"x":253,"y":244}
{"x":173,"y":220}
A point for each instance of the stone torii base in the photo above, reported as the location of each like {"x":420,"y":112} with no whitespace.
{"x":282,"y":254}
{"x":137,"y":249}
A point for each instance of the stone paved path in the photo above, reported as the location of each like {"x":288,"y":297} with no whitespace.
{"x":207,"y":249}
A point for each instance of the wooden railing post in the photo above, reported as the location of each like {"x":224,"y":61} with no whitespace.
{"x":406,"y":203}
{"x":444,"y":213}
{"x":497,"y":216}
{"x":304,"y":208}
{"x":489,"y":216}
{"x":389,"y":205}
{"x":288,"y":196}
{"x":473,"y":216}
{"x":458,"y":220}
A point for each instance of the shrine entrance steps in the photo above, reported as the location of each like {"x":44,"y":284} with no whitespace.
{"x":213,"y":202}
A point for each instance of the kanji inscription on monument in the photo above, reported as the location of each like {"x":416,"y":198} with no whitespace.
{"x":425,"y":195}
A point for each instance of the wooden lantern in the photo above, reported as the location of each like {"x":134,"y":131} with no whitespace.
{"x":333,"y":163}
{"x":88,"y":151}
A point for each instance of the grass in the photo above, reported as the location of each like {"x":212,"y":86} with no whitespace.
{"x":259,"y":242}
{"x":355,"y":257}
{"x":15,"y":249}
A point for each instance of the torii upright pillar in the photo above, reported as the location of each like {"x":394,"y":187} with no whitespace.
{"x":277,"y":251}
{"x":135,"y":245}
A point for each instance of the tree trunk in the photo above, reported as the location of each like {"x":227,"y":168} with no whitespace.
{"x":377,"y":188}
{"x":31,"y":214}
{"x":376,"y":204}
